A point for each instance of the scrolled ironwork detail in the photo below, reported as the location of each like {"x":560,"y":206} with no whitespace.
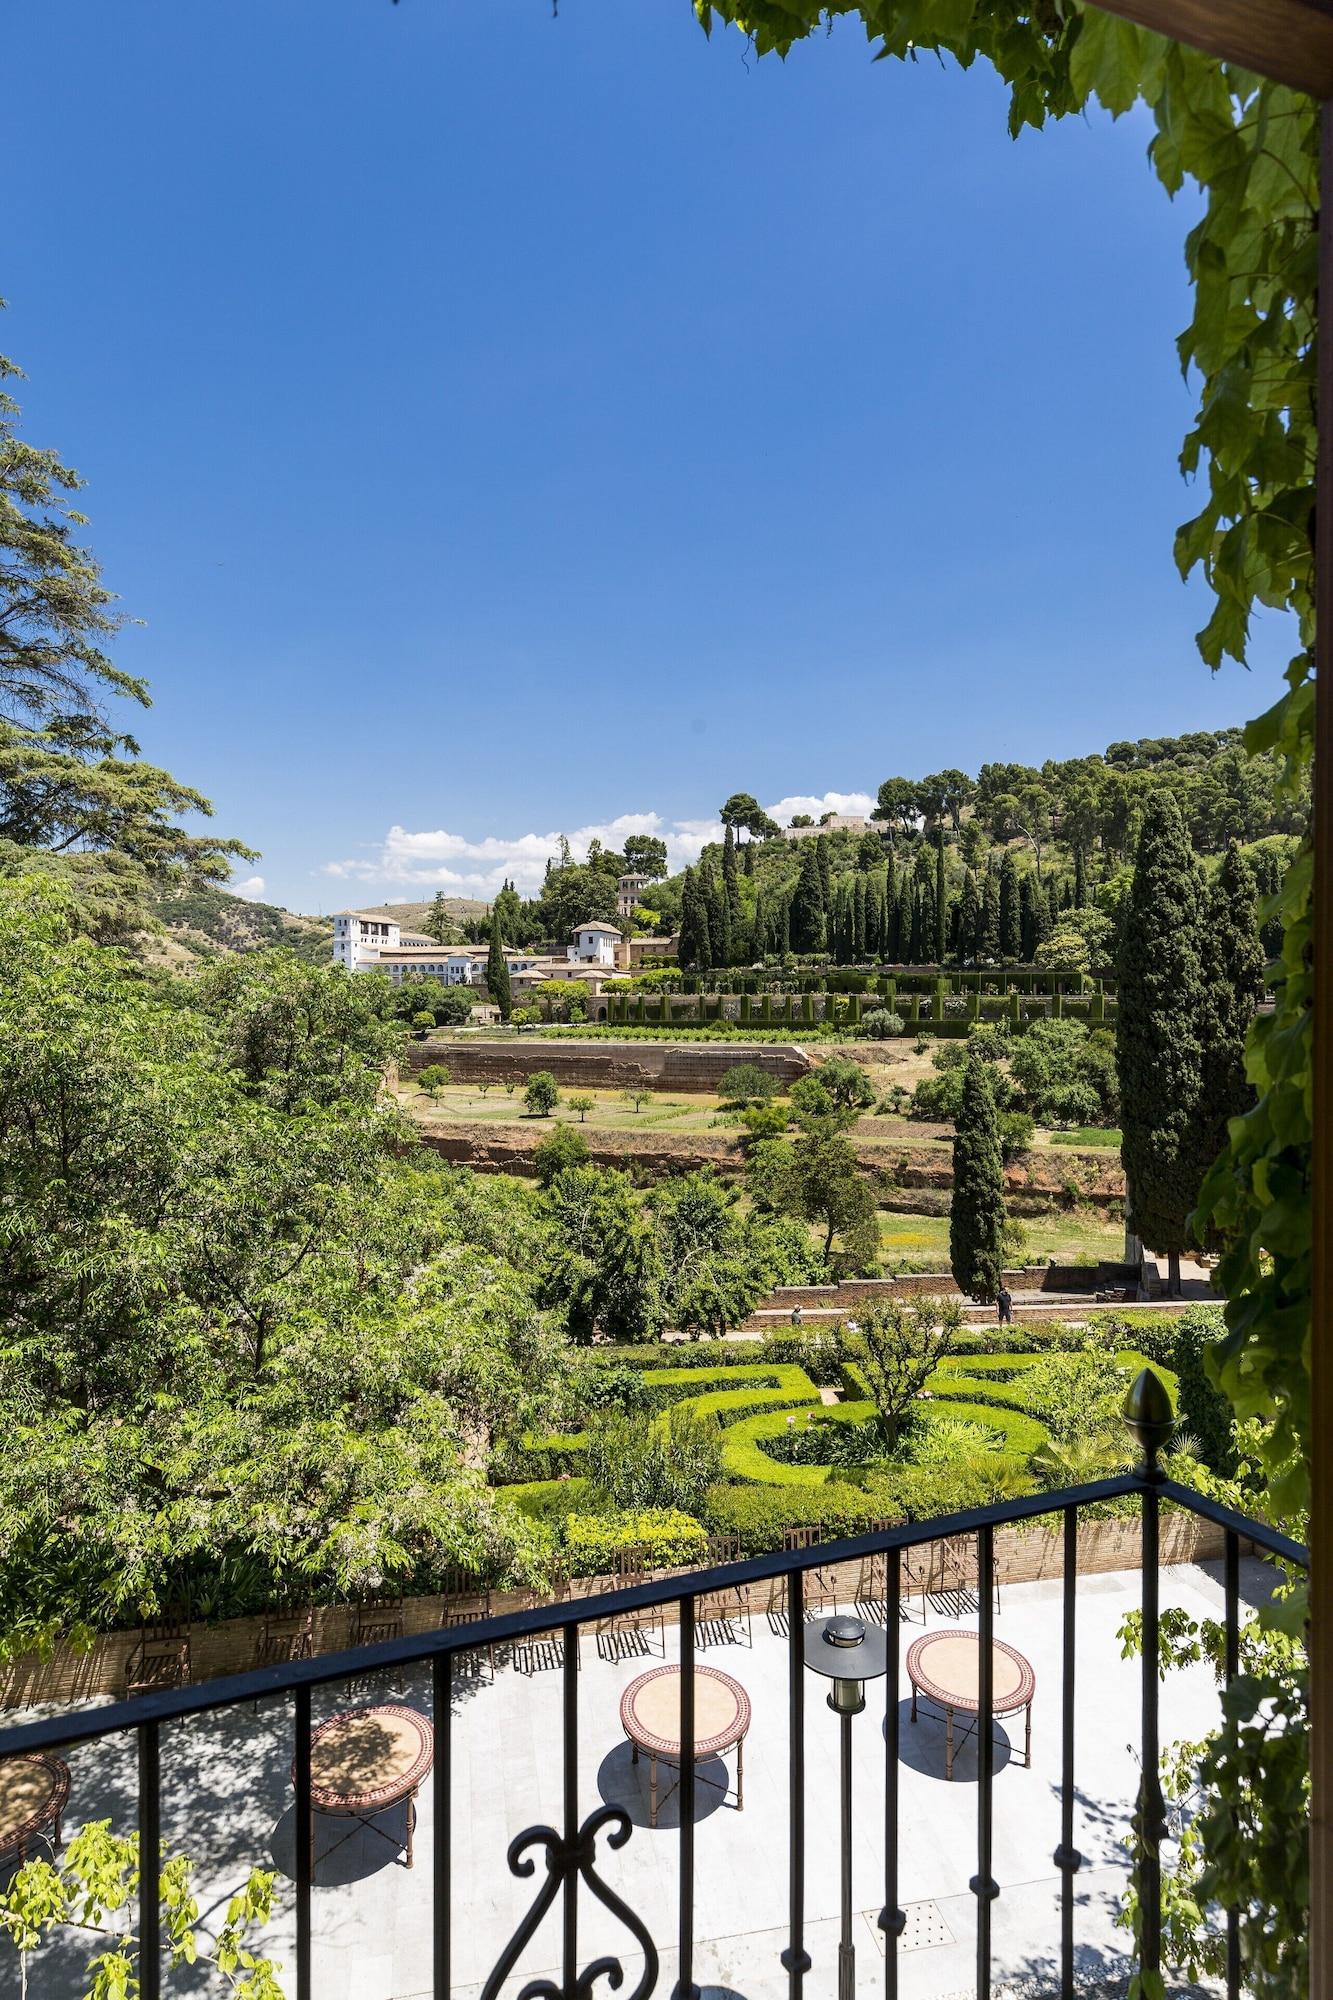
{"x":565,"y":1861}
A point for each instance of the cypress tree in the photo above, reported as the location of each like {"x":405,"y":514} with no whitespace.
{"x":988,"y":935}
{"x":730,"y":873}
{"x":941,"y":899}
{"x":976,"y":1217}
{"x":1234,"y":982}
{"x":1080,"y":880}
{"x":747,"y":857}
{"x":1158,"y":1023}
{"x":1052,"y":903}
{"x":719,"y":917}
{"x":1011,"y":936}
{"x":915,"y":927}
{"x":969,"y":917}
{"x":785,"y":934}
{"x":874,"y":904}
{"x":1067,"y":895}
{"x":858,"y":950}
{"x":825,"y":863}
{"x":497,"y":971}
{"x":902,"y":919}
{"x":760,"y":922}
{"x":807,"y":908}
{"x":1029,"y":934}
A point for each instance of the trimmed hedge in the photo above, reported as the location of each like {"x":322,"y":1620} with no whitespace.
{"x":667,"y":1538}
{"x":758,"y":1515}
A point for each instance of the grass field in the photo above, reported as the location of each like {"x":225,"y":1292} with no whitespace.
{"x":1084,"y":1135}
{"x":497,"y":1106}
{"x":921,"y":1242}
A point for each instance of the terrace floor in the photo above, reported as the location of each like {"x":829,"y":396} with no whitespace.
{"x":227,"y":1801}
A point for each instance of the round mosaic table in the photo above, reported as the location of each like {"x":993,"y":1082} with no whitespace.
{"x":366,"y":1760}
{"x":34,"y":1791}
{"x":945,"y":1670}
{"x":650,"y":1718}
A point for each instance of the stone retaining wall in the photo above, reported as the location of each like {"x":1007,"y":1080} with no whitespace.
{"x":1023,"y":1556}
{"x":608,"y":1065}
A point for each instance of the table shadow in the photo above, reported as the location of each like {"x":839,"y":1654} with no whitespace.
{"x":921,"y":1746}
{"x":622,"y":1782}
{"x":345,"y":1851}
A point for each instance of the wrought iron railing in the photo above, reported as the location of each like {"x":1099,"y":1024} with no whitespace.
{"x":570,"y":1849}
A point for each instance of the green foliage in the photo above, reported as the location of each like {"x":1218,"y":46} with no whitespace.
{"x":747,"y":1084}
{"x":1158,"y":1049}
{"x":542,"y":1094}
{"x":897,"y":1348}
{"x":583,"y":1104}
{"x":94,"y":1890}
{"x":880,"y":1024}
{"x":759,"y":1515}
{"x":664,"y":1537}
{"x":561,"y":1148}
{"x":433,"y":1078}
{"x":976,"y":1215}
{"x":666,"y":1464}
{"x":1066,"y":1073}
{"x":843,"y":1082}
{"x":1204,"y":1411}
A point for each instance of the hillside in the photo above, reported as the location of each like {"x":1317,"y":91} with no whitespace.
{"x":412,"y":916}
{"x":203,"y":922}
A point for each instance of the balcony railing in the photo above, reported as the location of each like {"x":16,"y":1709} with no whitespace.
{"x":569,"y":1850}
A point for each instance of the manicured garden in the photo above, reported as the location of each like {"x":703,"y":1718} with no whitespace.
{"x":903,"y":1418}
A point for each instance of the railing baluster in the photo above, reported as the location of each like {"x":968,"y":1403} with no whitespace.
{"x":685,"y":1986}
{"x":983,"y":1884}
{"x":892,"y":1919}
{"x":305,"y":1843}
{"x":1067,"y":1857}
{"x":571,"y":1756}
{"x":441,"y":1915}
{"x":150,"y":1864}
{"x":1150,"y":1789}
{"x":796,"y":1958}
{"x":1232,"y":1668}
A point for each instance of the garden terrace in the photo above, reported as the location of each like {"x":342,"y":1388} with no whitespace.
{"x":742,"y":1900}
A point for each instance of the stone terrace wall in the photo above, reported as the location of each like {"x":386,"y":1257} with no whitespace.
{"x":1060,"y":1278}
{"x":229,"y":1647}
{"x":608,"y":1065}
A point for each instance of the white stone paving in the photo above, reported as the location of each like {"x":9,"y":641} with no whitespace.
{"x":227,"y":1800}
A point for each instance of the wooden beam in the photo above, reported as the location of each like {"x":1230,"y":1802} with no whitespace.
{"x":1290,"y":41}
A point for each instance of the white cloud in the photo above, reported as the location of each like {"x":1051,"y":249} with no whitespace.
{"x":252,"y":888}
{"x":424,"y":860}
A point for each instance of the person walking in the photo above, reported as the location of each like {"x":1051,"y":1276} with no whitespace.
{"x":1004,"y":1305}
{"x":796,"y":1316}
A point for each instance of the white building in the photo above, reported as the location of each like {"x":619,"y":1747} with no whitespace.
{"x":372,"y":943}
{"x":359,"y":936}
{"x":595,"y":944}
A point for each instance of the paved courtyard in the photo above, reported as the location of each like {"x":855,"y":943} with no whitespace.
{"x":227,"y":1801}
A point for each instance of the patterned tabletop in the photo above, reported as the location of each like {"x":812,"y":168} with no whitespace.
{"x":368,"y":1758}
{"x":946,"y":1667}
{"x":650,"y":1711}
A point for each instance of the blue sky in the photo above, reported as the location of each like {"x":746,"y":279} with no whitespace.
{"x":505,"y":424}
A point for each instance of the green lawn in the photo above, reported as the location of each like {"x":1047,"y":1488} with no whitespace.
{"x":1085,"y":1135}
{"x":921,"y":1242}
{"x":464,"y":1103}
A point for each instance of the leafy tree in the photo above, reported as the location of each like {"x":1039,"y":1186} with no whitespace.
{"x":583,"y":1104}
{"x":670,"y":1463}
{"x":572,"y":895}
{"x":439,"y":924}
{"x":542,"y":1094}
{"x":422,"y":1023}
{"x":604,"y":1270}
{"x":976,"y":1217}
{"x":637,"y":1094}
{"x":898,"y":1347}
{"x":497,"y":972}
{"x":1233,"y":985}
{"x":822,"y":1182}
{"x":745,"y":1084}
{"x":1158,"y":1023}
{"x":646,"y":855}
{"x":561,"y":1148}
{"x":870,"y":852}
{"x":433,"y":1079}
{"x":302,"y":1035}
{"x":742,"y":810}
{"x":896,"y":804}
{"x":845,"y":1083}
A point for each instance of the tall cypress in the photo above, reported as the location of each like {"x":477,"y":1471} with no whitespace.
{"x":824,"y":859}
{"x":1234,"y":983}
{"x":1011,"y":937}
{"x":1158,"y":1025}
{"x":719,"y":915}
{"x":969,"y":916}
{"x":730,"y":873}
{"x":941,"y":899}
{"x":1080,"y":879}
{"x":807,"y":909}
{"x":976,"y":1216}
{"x":988,"y":935}
{"x":1052,"y":903}
{"x":858,"y":950}
{"x":1029,"y":933}
{"x":497,"y":971}
{"x":902,"y":920}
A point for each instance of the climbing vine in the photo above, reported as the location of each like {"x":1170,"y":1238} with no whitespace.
{"x":1249,"y":351}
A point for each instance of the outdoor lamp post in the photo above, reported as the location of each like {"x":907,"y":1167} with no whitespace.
{"x":849,"y":1654}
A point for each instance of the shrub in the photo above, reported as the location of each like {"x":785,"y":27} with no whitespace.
{"x":564,"y":1147}
{"x":757,"y":1515}
{"x":618,"y":1388}
{"x":880,"y":1025}
{"x":422,"y":1023}
{"x":1015,"y":1129}
{"x":552,"y":1499}
{"x":764,"y":1121}
{"x":666,"y":1537}
{"x":1204,"y":1411}
{"x":747,"y":1084}
{"x":667,"y":1464}
{"x":542,"y":1094}
{"x":433,"y":1078}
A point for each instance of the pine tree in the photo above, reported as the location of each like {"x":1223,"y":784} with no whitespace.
{"x":969,"y":917}
{"x":1234,"y":983}
{"x":976,"y":1218}
{"x":1158,"y":1023}
{"x":497,"y":971}
{"x":807,"y":910}
{"x":941,"y":899}
{"x":1011,"y":936}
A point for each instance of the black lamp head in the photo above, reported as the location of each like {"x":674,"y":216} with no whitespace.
{"x":1148,"y":1413}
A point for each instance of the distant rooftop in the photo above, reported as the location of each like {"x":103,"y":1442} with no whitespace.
{"x":609,"y":929}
